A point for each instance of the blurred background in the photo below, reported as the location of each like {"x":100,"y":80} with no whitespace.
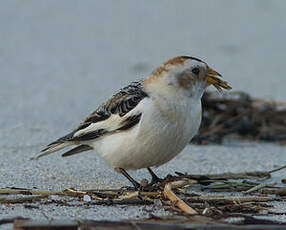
{"x":60,"y":59}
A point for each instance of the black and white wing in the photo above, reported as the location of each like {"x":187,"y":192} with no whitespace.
{"x":115,"y":115}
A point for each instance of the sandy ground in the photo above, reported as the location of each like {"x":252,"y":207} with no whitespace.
{"x":61,"y":59}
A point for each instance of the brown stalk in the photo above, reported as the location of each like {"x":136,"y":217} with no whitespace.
{"x":176,"y":200}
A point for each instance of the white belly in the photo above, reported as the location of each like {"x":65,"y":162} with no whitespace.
{"x":160,"y":136}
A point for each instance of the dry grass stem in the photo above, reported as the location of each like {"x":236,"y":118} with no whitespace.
{"x":176,"y":200}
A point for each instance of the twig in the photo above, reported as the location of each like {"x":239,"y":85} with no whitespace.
{"x":5,"y":200}
{"x":129,"y":196}
{"x":121,"y":202}
{"x":225,"y":185}
{"x":232,"y":199}
{"x":278,"y":169}
{"x":280,"y":191}
{"x":172,"y":196}
{"x":67,"y":192}
{"x":257,"y":187}
{"x":228,"y":175}
{"x":11,"y":220}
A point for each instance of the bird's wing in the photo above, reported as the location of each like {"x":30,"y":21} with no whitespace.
{"x":116,"y":114}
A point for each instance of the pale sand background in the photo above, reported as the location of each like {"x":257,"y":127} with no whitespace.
{"x":61,"y":59}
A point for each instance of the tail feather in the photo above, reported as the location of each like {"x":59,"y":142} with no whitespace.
{"x":76,"y":150}
{"x":52,"y":148}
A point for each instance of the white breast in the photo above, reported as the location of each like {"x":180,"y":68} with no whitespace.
{"x":164,"y":130}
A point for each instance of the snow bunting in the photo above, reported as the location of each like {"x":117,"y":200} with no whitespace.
{"x":148,"y":122}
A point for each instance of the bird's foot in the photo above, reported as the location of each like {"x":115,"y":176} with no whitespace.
{"x":155,"y":178}
{"x":137,"y":186}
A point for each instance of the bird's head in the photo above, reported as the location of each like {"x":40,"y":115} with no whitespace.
{"x":187,"y":75}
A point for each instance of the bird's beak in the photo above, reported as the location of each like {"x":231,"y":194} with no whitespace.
{"x":213,"y":78}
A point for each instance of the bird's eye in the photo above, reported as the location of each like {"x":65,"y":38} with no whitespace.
{"x":196,"y":70}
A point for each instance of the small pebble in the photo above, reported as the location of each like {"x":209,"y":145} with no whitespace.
{"x":55,"y":197}
{"x":86,"y":198}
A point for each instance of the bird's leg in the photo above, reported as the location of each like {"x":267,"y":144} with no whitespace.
{"x":155,"y":178}
{"x":134,"y":182}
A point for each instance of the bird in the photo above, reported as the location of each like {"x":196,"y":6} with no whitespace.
{"x":149,"y":121}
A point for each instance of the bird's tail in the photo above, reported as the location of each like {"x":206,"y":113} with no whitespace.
{"x":53,"y":147}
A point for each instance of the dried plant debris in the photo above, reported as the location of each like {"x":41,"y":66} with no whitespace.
{"x":195,"y":222}
{"x":241,"y":115}
{"x":193,"y":199}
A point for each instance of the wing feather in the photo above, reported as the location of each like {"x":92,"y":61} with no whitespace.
{"x":110,"y":116}
{"x":116,"y":114}
{"x":76,"y":150}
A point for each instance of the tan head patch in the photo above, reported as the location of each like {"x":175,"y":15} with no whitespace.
{"x":157,"y":73}
{"x":176,"y":60}
{"x":180,"y":60}
{"x":184,"y":80}
{"x":173,"y":61}
{"x":159,"y":70}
